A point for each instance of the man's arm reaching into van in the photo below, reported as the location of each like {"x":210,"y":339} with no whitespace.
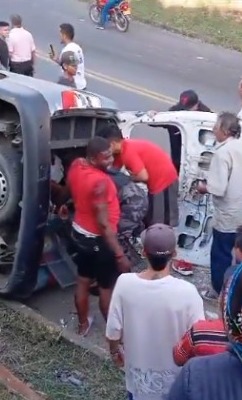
{"x":101,"y":210}
{"x":135,"y":167}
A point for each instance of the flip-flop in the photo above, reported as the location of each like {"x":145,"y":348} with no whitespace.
{"x":90,"y":322}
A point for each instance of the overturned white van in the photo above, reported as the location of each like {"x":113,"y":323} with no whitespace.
{"x":194,"y":233}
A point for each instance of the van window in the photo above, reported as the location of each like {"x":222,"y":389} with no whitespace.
{"x":206,"y":137}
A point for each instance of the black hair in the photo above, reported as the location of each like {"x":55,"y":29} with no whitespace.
{"x":68,"y":30}
{"x":229,"y":122}
{"x":16,"y":20}
{"x":96,"y":146}
{"x":110,"y":132}
{"x":238,"y":238}
{"x":158,"y":263}
{"x":4,"y":24}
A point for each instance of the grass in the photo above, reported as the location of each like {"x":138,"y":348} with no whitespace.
{"x":5,"y":395}
{"x":223,"y":29}
{"x":36,"y":355}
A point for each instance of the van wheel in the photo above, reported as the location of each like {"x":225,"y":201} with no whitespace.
{"x":10,"y":183}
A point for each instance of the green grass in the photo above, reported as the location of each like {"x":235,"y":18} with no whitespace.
{"x":225,"y":30}
{"x":5,"y":395}
{"x":213,"y":27}
{"x":34,"y":354}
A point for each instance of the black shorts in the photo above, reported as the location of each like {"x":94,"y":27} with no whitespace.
{"x":95,"y":260}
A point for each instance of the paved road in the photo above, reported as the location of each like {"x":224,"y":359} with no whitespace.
{"x":144,"y":69}
{"x":149,"y":58}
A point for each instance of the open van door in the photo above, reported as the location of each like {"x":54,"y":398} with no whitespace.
{"x":194,"y":233}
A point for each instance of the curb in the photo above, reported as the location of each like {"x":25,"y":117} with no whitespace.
{"x":16,"y":386}
{"x":54,"y":328}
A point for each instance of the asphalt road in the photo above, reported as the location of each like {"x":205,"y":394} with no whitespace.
{"x":160,"y":62}
{"x":144,"y":69}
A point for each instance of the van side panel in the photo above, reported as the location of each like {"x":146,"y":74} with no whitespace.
{"x":35,"y":125}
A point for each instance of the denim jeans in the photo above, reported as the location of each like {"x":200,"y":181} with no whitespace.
{"x":130,"y":396}
{"x":104,"y":15}
{"x":221,"y":257}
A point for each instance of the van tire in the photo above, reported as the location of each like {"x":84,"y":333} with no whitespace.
{"x":11,"y":178}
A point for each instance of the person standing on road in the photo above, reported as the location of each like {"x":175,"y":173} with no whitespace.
{"x":95,"y":226}
{"x":223,"y":183}
{"x":4,"y":53}
{"x":218,"y":376}
{"x":67,"y":34}
{"x":149,"y":313}
{"x":22,"y":48}
{"x":69,"y":64}
{"x":148,"y":163}
{"x":189,"y":101}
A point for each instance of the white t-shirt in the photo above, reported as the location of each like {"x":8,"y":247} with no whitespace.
{"x":151,"y":317}
{"x":57,"y":170}
{"x":80,"y":80}
{"x":240,"y":114}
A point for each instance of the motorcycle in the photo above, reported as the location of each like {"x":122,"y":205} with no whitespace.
{"x":119,"y":15}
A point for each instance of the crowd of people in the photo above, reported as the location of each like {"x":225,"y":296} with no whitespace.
{"x":155,"y":322}
{"x":17,"y":47}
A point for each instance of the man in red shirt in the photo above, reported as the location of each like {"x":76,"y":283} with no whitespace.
{"x":94,"y":228}
{"x":203,"y":339}
{"x":150,"y":164}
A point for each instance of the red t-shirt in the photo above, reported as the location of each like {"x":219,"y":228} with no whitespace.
{"x":203,"y":339}
{"x":84,"y":182}
{"x":139,"y":154}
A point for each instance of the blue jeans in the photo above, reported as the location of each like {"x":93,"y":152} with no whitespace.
{"x":221,"y":257}
{"x":104,"y":14}
{"x":130,"y":396}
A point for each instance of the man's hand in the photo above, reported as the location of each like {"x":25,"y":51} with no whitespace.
{"x":124,"y":265}
{"x":54,"y":57}
{"x":201,"y":187}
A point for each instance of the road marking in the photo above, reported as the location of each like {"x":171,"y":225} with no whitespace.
{"x":121,"y":84}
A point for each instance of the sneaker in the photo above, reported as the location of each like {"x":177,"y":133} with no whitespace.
{"x":182,"y":267}
{"x":209,"y":295}
{"x":100,"y":27}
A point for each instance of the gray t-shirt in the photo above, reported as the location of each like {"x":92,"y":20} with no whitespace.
{"x":65,"y":81}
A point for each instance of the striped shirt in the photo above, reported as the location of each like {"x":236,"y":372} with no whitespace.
{"x":204,"y":338}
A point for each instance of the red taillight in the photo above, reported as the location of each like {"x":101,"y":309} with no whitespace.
{"x":69,"y":100}
{"x":125,"y":6}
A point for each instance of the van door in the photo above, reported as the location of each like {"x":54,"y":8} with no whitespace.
{"x":194,"y":233}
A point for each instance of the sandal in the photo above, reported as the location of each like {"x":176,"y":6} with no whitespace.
{"x":84,"y":333}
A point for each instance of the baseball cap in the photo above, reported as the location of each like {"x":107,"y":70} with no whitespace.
{"x":188,"y":99}
{"x":69,"y":58}
{"x":159,"y":240}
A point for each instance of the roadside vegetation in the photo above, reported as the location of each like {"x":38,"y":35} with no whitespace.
{"x":5,"y":395}
{"x":222,"y":27}
{"x":219,"y":27}
{"x":53,"y":366}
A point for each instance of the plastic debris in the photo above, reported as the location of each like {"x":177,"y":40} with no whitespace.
{"x":75,"y":377}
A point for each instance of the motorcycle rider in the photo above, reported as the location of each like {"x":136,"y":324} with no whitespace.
{"x":105,"y":10}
